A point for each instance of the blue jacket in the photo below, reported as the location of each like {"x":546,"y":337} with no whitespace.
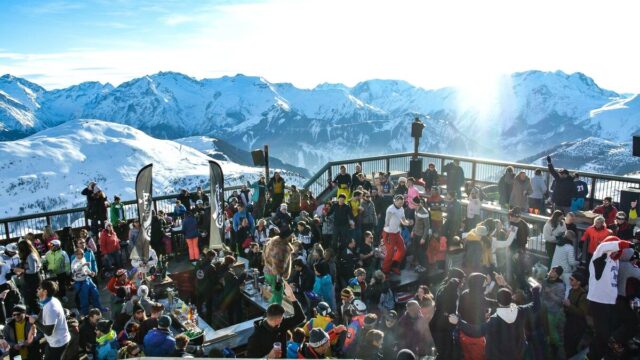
{"x":107,"y":347}
{"x":292,"y":349}
{"x":159,"y":342}
{"x":324,"y":287}
{"x":190,"y":227}
{"x":237,"y":220}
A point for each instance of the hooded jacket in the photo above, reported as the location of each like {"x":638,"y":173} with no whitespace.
{"x":564,"y":188}
{"x":422,"y":223}
{"x":538,"y":187}
{"x":504,"y":331}
{"x":473,"y":304}
{"x":521,"y":190}
{"x":160,"y":342}
{"x":368,"y":214}
{"x":107,"y":346}
{"x":261,"y":341}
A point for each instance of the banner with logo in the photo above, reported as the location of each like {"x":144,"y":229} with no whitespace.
{"x":216,"y":231}
{"x":145,"y":206}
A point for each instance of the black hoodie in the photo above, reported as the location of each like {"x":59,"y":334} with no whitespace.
{"x":260,"y":343}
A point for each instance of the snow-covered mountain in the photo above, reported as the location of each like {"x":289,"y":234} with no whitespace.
{"x":48,"y":170}
{"x":591,"y":154}
{"x":222,"y":150}
{"x":513,"y":117}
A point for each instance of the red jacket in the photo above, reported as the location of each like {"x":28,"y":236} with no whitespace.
{"x":595,"y":237}
{"x":608,"y":213}
{"x":109,"y":243}
{"x":114,"y":284}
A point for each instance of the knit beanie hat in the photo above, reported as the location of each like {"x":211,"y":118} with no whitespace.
{"x":137,"y":307}
{"x":104,"y":326}
{"x":317,"y":337}
{"x":164,"y":321}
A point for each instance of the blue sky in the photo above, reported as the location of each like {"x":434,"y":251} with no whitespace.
{"x":306,"y":42}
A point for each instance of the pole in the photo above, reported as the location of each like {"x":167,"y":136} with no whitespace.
{"x":266,"y":163}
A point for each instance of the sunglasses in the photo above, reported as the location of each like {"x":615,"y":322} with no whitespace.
{"x":17,"y":314}
{"x":620,"y":218}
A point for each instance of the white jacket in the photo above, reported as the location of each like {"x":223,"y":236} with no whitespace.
{"x":549,"y":233}
{"x":605,"y":289}
{"x":564,"y":256}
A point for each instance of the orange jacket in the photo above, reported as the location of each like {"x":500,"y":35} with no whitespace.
{"x":595,"y":237}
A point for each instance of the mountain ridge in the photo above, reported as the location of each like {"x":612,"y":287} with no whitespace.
{"x":517,"y":116}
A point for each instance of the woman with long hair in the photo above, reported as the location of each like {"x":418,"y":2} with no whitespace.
{"x":553,"y":229}
{"x":30,"y":270}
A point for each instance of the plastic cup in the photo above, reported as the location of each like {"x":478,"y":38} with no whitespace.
{"x":530,"y":210}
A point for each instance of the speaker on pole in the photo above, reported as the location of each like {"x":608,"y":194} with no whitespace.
{"x":258,"y":157}
{"x":636,"y":146}
{"x":415,"y":168}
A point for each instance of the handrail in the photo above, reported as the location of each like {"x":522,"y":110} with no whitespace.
{"x":606,"y":184}
{"x":467,"y":159}
{"x":481,"y":171}
{"x":5,"y":222}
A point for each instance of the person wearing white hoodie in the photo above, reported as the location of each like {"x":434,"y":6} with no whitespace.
{"x":603,"y":291}
{"x":504,"y":331}
{"x":564,"y":256}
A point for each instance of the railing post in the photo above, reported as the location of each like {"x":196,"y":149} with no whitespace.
{"x":441,"y":163}
{"x":155,"y":206}
{"x":48,"y":219}
{"x":592,"y":194}
{"x":330,"y":172}
{"x":473,"y":172}
{"x":6,"y":231}
{"x":387,"y":164}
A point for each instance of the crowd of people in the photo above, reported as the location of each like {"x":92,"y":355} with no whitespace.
{"x":480,"y":292}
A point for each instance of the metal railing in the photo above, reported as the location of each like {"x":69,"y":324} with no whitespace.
{"x":18,"y":226}
{"x":480,"y":171}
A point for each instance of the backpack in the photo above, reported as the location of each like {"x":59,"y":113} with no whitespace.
{"x":388,"y":300}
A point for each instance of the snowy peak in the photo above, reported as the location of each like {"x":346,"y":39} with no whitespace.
{"x":49,"y":169}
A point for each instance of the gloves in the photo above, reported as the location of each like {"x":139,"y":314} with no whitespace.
{"x":548,"y":159}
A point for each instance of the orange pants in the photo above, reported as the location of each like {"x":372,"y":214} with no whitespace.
{"x":395,"y":250}
{"x":194,"y":252}
{"x":472,"y":348}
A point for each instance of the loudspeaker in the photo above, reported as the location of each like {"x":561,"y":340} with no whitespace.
{"x":626,"y":197}
{"x":258,"y":157}
{"x":636,"y":146}
{"x":415,"y":168}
